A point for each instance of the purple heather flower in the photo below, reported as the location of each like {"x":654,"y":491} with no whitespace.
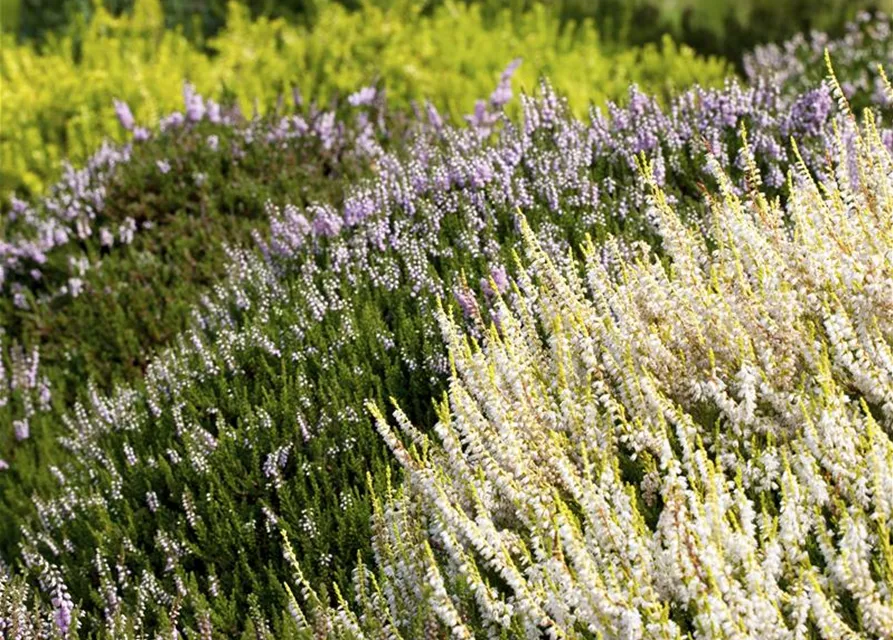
{"x":499,"y":277}
{"x":44,"y":395}
{"x":127,"y":230}
{"x":163,"y":166}
{"x":809,"y":113}
{"x":62,"y":603}
{"x":481,"y":119}
{"x":141,"y":134}
{"x":364,"y":96}
{"x":326,"y":129}
{"x":125,"y":115}
{"x":4,"y":465}
{"x":299,"y":125}
{"x":193,"y":103}
{"x":213,"y":110}
{"x":171,"y":121}
{"x":22,"y":429}
{"x":326,"y":222}
{"x":466,"y":301}
{"x":18,"y":207}
{"x":503,"y":92}
{"x":75,"y":286}
{"x":297,"y":220}
{"x":212,"y":141}
{"x":434,"y":118}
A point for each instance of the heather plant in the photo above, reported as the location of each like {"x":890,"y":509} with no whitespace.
{"x":173,"y":491}
{"x":691,"y":444}
{"x":95,"y":212}
{"x":107,"y":267}
{"x":58,"y":97}
{"x":796,"y":64}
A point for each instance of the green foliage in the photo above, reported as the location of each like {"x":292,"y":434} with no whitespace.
{"x":372,"y":342}
{"x":58,"y":97}
{"x":293,"y":372}
{"x":451,"y":56}
{"x":57,"y":101}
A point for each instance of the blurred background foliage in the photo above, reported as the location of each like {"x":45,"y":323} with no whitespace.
{"x":721,"y":27}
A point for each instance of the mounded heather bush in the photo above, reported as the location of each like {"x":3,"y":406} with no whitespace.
{"x":106,"y":267}
{"x":200,"y":183}
{"x":58,"y":98}
{"x":171,"y":496}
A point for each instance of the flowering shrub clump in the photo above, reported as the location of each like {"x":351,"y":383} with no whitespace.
{"x":107,"y":266}
{"x":797,"y":63}
{"x":157,"y":508}
{"x":63,"y":259}
{"x":76,"y":209}
{"x":696,"y":444}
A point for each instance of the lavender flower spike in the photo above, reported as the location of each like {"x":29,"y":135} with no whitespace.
{"x":503,"y":91}
{"x":193,"y":103}
{"x":125,"y":115}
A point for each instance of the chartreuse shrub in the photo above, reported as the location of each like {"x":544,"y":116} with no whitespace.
{"x":58,"y":97}
{"x":452,"y":55}
{"x":158,"y":507}
{"x":57,"y":101}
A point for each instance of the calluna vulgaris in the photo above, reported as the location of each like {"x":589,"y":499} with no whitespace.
{"x":700,"y":446}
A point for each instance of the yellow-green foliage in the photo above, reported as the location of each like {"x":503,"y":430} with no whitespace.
{"x":451,"y":57}
{"x":58,"y":102}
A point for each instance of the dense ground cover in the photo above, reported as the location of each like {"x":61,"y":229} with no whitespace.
{"x":162,"y":505}
{"x":58,"y":95}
